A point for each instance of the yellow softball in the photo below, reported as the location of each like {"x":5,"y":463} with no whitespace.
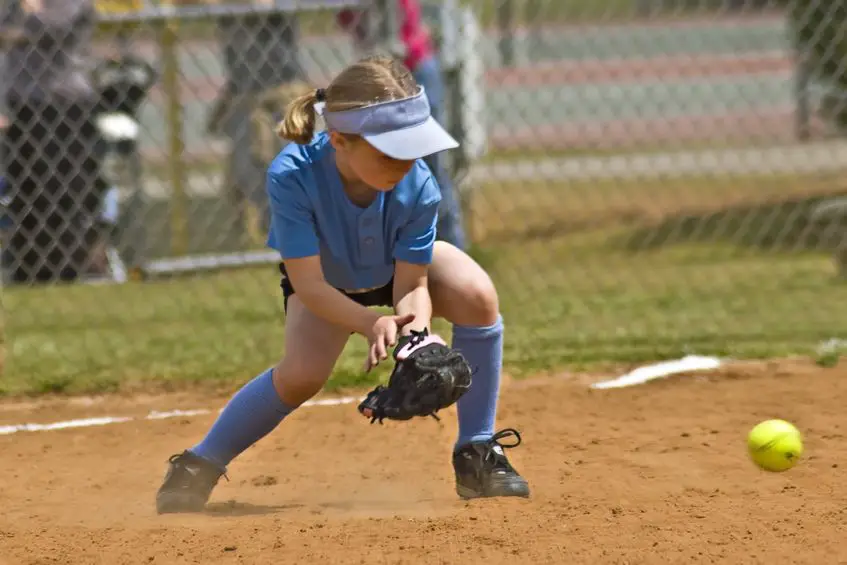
{"x":775,"y":445}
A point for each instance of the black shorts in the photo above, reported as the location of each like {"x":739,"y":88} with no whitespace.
{"x":382,"y":296}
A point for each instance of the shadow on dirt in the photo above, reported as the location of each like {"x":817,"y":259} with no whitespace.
{"x":372,"y":507}
{"x":788,"y":225}
{"x":233,"y":508}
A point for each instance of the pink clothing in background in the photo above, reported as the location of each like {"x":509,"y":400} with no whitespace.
{"x":413,"y":32}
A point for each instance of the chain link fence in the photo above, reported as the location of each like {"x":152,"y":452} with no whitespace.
{"x":642,"y":178}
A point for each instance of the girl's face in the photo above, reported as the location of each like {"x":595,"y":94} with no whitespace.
{"x":367,"y":164}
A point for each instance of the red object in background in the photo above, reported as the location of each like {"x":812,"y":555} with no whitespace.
{"x":413,"y":32}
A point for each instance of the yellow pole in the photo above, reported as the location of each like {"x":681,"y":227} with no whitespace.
{"x":175,"y":145}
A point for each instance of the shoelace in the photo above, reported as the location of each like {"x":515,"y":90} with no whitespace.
{"x":495,"y":459}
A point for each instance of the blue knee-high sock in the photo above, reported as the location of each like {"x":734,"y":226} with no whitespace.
{"x":483,"y":348}
{"x":250,"y":415}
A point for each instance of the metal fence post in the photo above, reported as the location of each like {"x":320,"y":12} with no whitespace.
{"x":175,"y":144}
{"x":385,"y":26}
{"x":802,"y":80}
{"x":506,"y":21}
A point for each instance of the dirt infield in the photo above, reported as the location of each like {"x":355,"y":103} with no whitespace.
{"x":650,"y":474}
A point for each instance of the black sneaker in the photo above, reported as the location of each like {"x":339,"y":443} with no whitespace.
{"x":187,"y":485}
{"x":482,"y":469}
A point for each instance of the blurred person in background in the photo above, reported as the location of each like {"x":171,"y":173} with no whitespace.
{"x":51,"y":146}
{"x":263,"y":74}
{"x":421,"y":58}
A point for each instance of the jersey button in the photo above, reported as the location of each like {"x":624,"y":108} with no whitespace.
{"x":369,"y":241}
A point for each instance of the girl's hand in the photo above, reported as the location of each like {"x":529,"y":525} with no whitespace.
{"x":383,"y":336}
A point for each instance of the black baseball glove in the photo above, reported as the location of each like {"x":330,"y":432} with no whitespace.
{"x":427,"y":377}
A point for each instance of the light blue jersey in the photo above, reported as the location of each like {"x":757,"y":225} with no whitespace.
{"x":312,"y":215}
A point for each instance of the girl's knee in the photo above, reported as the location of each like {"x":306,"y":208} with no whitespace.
{"x":295,"y":383}
{"x":477,"y":304}
{"x":463,"y":293}
{"x":485,"y":302}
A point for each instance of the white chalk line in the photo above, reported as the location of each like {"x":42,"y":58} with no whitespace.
{"x":661,"y":370}
{"x":638,"y":376}
{"x":153,"y":415}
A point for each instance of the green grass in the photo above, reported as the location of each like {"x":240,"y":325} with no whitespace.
{"x":588,"y":276}
{"x":499,"y":155}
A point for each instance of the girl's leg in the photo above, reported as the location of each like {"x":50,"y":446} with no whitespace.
{"x":464,"y":295}
{"x":312,"y":347}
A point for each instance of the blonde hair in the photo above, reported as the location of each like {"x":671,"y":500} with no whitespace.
{"x":373,"y":79}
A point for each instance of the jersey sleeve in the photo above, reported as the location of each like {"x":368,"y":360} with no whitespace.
{"x":292,"y":217}
{"x":417,"y":238}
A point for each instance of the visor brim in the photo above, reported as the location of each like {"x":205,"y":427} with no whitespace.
{"x":411,"y":143}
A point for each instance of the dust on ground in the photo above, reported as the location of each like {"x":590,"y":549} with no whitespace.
{"x":653,"y":473}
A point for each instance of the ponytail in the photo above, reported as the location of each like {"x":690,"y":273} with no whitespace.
{"x":298,"y":125}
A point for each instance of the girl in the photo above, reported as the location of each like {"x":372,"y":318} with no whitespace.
{"x":353,"y":217}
